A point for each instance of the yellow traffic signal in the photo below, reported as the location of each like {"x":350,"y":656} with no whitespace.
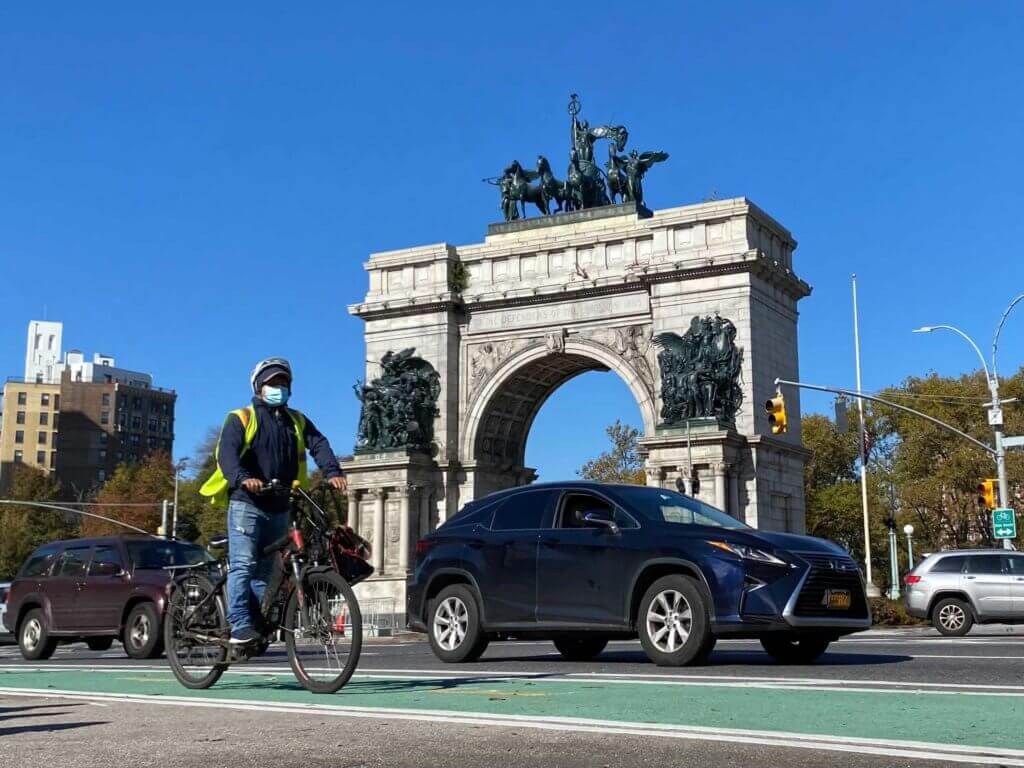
{"x":987,"y":493}
{"x":776,"y":409}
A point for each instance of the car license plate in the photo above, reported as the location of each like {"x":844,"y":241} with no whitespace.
{"x":838,"y":599}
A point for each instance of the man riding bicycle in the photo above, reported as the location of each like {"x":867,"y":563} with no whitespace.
{"x":264,"y":441}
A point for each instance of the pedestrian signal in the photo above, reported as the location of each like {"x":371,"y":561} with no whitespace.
{"x":776,"y":409}
{"x":987,"y":493}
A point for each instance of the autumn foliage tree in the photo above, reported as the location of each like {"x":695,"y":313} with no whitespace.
{"x":621,"y":463}
{"x":140,"y":487}
{"x":23,"y":528}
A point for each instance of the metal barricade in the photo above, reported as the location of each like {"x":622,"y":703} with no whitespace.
{"x":379,"y":616}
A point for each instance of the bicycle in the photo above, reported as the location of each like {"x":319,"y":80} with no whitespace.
{"x":308,"y":600}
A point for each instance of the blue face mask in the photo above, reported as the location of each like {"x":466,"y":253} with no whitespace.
{"x":274,"y":396}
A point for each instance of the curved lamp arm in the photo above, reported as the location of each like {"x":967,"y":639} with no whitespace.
{"x":999,"y":330}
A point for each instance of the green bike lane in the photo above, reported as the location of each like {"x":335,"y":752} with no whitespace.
{"x":957,"y":719}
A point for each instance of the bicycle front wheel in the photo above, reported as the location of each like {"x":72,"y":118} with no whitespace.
{"x":196,"y":632}
{"x":325,"y":636}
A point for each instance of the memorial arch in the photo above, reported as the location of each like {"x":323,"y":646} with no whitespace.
{"x":499,"y":325}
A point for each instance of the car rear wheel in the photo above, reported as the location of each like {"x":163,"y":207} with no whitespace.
{"x":142,"y":636}
{"x":34,"y":639}
{"x":787,"y":649}
{"x":673,"y":622}
{"x":455,"y":631}
{"x":952,"y":617}
{"x":580,"y":648}
{"x":99,"y":643}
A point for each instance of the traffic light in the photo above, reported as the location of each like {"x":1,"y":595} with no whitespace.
{"x":776,"y":409}
{"x":987,"y":493}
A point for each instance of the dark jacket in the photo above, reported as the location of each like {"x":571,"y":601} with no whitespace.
{"x":272,"y":455}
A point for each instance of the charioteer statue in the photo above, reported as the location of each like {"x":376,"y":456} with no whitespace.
{"x":586,"y":185}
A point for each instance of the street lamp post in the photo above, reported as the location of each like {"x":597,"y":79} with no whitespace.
{"x":178,"y":468}
{"x":995,"y":412}
{"x":894,"y":566}
{"x":909,"y":530}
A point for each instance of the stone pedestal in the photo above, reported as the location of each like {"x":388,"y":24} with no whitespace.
{"x":393,"y":500}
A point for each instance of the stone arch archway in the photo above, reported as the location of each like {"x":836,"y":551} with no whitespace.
{"x":501,"y":413}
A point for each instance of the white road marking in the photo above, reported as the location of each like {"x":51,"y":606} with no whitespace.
{"x":686,"y":680}
{"x":866,"y":746}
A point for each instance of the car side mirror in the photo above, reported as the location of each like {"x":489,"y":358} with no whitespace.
{"x":601,"y":520}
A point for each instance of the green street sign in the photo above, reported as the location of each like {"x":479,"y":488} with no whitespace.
{"x":1004,"y":523}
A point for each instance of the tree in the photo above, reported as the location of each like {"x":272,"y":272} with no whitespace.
{"x":936,"y":472}
{"x":620,"y":464}
{"x":143,"y":485}
{"x":25,"y":528}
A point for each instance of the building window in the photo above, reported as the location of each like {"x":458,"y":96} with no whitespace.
{"x":153,"y":424}
{"x":136,"y":403}
{"x":53,"y":459}
{"x":163,"y":426}
{"x":44,"y":418}
{"x":55,"y":417}
{"x":41,"y":458}
{"x":20,"y":417}
{"x":101,"y":475}
{"x":104,"y":417}
{"x":136,"y":422}
{"x":44,"y":398}
{"x":42,"y":437}
{"x":19,"y":436}
{"x":22,"y":398}
{"x":103,"y":455}
{"x":103,"y":438}
{"x":106,"y":398}
{"x":135,"y":440}
{"x":163,"y":409}
{"x":19,"y":457}
{"x":56,"y":402}
{"x":122,"y":401}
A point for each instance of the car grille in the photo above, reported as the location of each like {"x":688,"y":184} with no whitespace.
{"x":830,"y":572}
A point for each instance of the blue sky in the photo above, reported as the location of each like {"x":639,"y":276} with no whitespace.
{"x":193,"y":188}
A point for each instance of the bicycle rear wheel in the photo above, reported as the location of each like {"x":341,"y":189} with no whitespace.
{"x":324,"y":646}
{"x":195,"y":636}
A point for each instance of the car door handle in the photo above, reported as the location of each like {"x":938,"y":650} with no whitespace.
{"x":80,"y":584}
{"x":969,"y":578}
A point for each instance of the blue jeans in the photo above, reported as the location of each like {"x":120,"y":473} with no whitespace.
{"x":250,"y":531}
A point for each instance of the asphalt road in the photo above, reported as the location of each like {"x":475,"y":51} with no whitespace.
{"x":883,"y":698}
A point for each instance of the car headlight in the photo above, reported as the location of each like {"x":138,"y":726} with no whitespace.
{"x":748,"y":553}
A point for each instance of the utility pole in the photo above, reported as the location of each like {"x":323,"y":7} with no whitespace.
{"x":163,"y":519}
{"x":872,"y":590}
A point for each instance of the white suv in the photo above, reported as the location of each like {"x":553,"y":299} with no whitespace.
{"x":959,"y":588}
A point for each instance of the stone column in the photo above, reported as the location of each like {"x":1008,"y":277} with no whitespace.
{"x":721,"y":501}
{"x":378,"y":529}
{"x":353,"y":509}
{"x":425,"y":501}
{"x":403,"y":529}
{"x":734,"y":493}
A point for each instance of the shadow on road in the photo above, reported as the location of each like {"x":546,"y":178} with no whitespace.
{"x":49,"y":728}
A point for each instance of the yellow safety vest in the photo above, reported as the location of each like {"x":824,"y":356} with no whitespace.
{"x":217,"y":486}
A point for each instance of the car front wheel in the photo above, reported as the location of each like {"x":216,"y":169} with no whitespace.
{"x":794,"y":650}
{"x":455,"y":631}
{"x":673,"y":622}
{"x":142,"y":636}
{"x":34,"y":639}
{"x":952,"y":617}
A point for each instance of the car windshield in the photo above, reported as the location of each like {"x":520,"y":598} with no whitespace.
{"x":663,"y":506}
{"x":160,"y":554}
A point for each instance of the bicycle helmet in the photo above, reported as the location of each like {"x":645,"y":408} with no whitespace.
{"x":267,"y":369}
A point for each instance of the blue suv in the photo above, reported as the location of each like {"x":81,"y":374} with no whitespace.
{"x":581,"y":563}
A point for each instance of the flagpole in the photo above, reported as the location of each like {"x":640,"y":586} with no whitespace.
{"x":871,"y":588}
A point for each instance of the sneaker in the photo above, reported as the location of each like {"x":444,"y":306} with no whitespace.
{"x":244,"y":635}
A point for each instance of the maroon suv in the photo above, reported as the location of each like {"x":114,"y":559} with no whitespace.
{"x":96,"y":590}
